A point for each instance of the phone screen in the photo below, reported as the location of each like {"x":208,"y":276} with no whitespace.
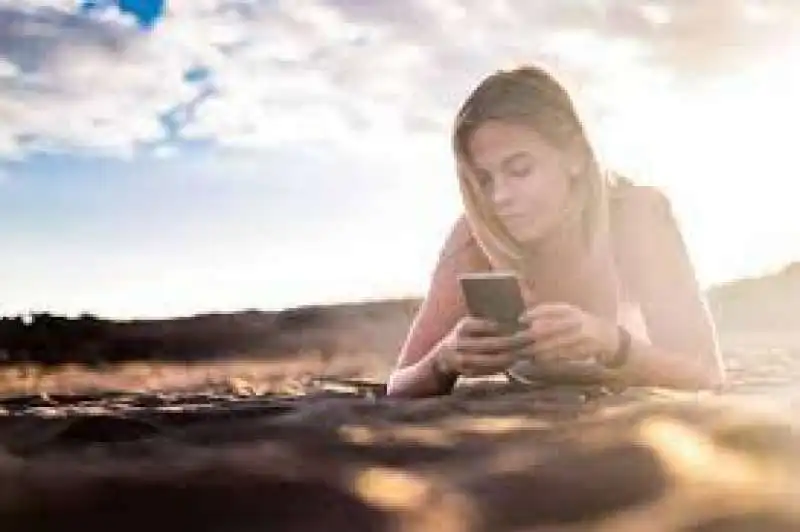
{"x":495,"y":296}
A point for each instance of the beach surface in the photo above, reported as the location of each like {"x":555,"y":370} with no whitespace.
{"x":311,"y":443}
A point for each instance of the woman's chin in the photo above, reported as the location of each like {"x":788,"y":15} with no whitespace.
{"x":527,"y":238}
{"x":531,"y":235}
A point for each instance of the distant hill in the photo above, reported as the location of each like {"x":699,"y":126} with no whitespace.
{"x":374,"y":326}
{"x":765,"y":309}
{"x":761,"y":304}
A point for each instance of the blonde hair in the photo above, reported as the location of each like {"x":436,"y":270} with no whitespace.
{"x":529,"y":96}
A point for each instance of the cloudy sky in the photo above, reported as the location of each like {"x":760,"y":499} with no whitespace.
{"x":164,"y":159}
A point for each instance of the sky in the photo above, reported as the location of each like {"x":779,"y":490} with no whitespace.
{"x":170,"y":158}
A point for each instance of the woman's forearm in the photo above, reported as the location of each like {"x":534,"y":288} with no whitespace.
{"x":418,"y":379}
{"x":650,"y":365}
{"x":647,"y":365}
{"x":565,"y":372}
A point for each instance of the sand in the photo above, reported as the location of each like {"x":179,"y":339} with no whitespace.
{"x":256,"y":445}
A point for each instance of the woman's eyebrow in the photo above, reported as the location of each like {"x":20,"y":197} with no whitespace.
{"x":514,"y":157}
{"x":507,"y":160}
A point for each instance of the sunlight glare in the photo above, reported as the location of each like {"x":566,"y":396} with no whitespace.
{"x":723,"y":150}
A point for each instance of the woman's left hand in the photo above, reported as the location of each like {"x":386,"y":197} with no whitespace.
{"x":564,"y":332}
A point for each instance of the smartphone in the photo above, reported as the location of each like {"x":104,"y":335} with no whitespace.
{"x":495,"y":296}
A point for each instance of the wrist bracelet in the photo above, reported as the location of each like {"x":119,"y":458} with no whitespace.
{"x":445,"y":379}
{"x":622,"y":353}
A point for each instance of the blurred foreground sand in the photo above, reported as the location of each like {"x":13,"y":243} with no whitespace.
{"x":258,"y":445}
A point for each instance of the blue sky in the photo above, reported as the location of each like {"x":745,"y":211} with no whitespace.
{"x":162,"y":159}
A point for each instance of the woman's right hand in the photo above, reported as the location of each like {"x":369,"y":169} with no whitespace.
{"x":475,"y":347}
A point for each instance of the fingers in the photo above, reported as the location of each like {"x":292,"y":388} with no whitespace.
{"x":558,"y":340}
{"x":528,"y":295}
{"x":548,"y":310}
{"x":557,"y":343}
{"x":571,"y":348}
{"x":471,"y":326}
{"x":553,"y":332}
{"x":544,"y":329}
{"x":551,"y":319}
{"x":476,"y":364}
{"x":561,"y":331}
{"x":492,"y":344}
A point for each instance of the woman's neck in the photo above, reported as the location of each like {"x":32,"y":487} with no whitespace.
{"x":561,"y":251}
{"x":565,"y":267}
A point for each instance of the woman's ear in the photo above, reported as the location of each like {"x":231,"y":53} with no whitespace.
{"x":577,"y":161}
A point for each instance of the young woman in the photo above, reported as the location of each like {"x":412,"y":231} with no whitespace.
{"x":609,"y":287}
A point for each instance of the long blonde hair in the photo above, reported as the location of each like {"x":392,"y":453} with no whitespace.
{"x":530,"y":96}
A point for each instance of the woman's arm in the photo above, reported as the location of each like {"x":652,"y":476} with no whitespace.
{"x":441,"y":309}
{"x":683,"y":351}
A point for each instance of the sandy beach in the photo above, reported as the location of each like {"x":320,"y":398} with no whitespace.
{"x":311,"y":444}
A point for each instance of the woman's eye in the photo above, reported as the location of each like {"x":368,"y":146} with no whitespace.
{"x":521,"y":170}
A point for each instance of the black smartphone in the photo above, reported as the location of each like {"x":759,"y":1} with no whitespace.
{"x":495,"y":296}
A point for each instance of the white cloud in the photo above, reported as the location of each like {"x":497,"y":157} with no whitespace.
{"x":325,"y":69}
{"x":379,"y":82}
{"x":83,"y":82}
{"x":8,"y":69}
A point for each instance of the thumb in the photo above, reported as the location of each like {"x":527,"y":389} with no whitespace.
{"x":528,"y":295}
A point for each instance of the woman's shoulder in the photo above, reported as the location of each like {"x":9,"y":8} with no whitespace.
{"x":646,"y":236}
{"x":631,"y":202}
{"x":460,"y":247}
{"x":624,"y":190}
{"x":639,"y":216}
{"x":459,"y":237}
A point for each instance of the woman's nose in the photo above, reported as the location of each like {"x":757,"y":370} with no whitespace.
{"x":501,"y":194}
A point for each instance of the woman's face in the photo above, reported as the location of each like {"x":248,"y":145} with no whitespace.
{"x":527,"y":179}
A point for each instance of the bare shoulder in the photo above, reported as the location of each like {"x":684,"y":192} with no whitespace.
{"x":460,"y":249}
{"x":628,"y":197}
{"x":647,"y":240}
{"x":639,"y":211}
{"x":458,"y":240}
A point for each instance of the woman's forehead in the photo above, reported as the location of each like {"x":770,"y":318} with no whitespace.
{"x":495,"y":140}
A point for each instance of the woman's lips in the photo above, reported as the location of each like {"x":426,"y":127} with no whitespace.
{"x":516,"y":222}
{"x":514,"y":218}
